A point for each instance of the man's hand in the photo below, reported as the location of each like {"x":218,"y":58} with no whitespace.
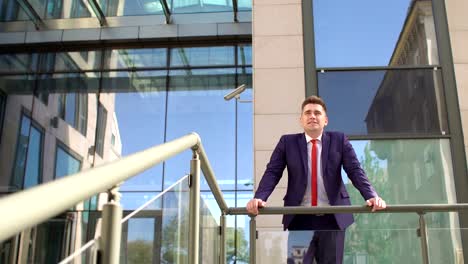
{"x":377,"y":203}
{"x":253,"y":205}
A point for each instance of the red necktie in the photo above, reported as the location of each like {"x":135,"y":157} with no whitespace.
{"x":313,"y":180}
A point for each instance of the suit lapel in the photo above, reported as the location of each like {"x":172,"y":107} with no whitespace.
{"x":303,"y":149}
{"x":325,"y":148}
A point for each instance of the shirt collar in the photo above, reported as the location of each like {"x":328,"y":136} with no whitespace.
{"x":308,"y":139}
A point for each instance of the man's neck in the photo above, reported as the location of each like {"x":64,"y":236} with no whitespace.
{"x":314,"y":134}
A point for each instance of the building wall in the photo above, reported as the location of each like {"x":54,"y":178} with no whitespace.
{"x":458,"y":29}
{"x":279,"y":89}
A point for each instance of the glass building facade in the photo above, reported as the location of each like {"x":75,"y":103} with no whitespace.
{"x":83,"y":84}
{"x":66,"y":111}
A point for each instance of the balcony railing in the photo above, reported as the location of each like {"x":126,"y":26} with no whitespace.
{"x":33,"y":206}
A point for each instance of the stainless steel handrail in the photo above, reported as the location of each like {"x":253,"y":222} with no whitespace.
{"x":413,"y":208}
{"x":33,"y":206}
{"x":419,"y":209}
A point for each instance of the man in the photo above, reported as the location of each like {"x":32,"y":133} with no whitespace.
{"x":314,"y":160}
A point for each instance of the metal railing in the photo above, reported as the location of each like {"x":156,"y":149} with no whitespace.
{"x":420,"y":209}
{"x":31,"y":207}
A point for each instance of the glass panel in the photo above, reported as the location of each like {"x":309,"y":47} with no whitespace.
{"x":50,"y":241}
{"x":82,"y":113}
{"x":244,"y":55}
{"x":130,"y":58}
{"x":10,"y":10}
{"x":66,"y":163}
{"x":200,"y":6}
{"x":202,"y":56}
{"x":21,"y":62}
{"x":87,"y":256}
{"x":445,"y":242}
{"x":39,"y":6}
{"x":370,"y":33}
{"x":417,"y":171}
{"x":133,"y":200}
{"x":66,"y":9}
{"x":68,"y":83}
{"x":34,"y":161}
{"x":244,"y":5}
{"x":70,"y":108}
{"x":195,"y":103}
{"x":70,"y":61}
{"x":245,"y":142}
{"x":54,"y":9}
{"x":209,"y":229}
{"x":101,"y":129}
{"x":277,"y":246}
{"x":158,"y":233}
{"x":384,"y":102}
{"x":21,"y":154}
{"x":145,"y":91}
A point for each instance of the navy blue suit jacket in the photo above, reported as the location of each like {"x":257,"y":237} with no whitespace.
{"x":337,"y":152}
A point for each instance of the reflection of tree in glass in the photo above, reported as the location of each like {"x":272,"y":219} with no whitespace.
{"x":174,"y":245}
{"x":140,"y":251}
{"x":242,"y":246}
{"x":369,"y":236}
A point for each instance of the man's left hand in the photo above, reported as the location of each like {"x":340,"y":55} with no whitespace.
{"x":377,"y":203}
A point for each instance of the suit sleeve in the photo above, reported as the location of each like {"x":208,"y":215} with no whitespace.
{"x":356,"y":174}
{"x":273,"y":172}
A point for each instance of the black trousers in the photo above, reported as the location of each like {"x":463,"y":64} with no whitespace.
{"x":327,"y":243}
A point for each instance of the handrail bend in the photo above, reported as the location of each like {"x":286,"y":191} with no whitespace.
{"x":33,"y":206}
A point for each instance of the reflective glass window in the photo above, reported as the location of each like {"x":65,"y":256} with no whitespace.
{"x":27,"y":169}
{"x":66,"y":161}
{"x":370,"y":33}
{"x":202,"y":56}
{"x":245,"y":141}
{"x":20,"y":62}
{"x":417,"y":171}
{"x":199,"y":6}
{"x":244,"y":55}
{"x":54,"y":9}
{"x":73,"y":108}
{"x":101,"y":129}
{"x":384,"y":101}
{"x":195,"y":103}
{"x":2,"y":111}
{"x":130,"y":58}
{"x":70,"y":61}
{"x":140,"y":110}
{"x":10,"y":10}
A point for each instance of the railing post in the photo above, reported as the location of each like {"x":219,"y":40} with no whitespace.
{"x":423,"y":234}
{"x":111,"y":228}
{"x":194,"y":213}
{"x":222,"y":238}
{"x":253,"y":239}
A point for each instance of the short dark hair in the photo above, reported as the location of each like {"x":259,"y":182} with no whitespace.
{"x":314,"y":100}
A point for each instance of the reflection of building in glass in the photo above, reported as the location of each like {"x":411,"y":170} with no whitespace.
{"x":418,"y":172}
{"x":51,"y":135}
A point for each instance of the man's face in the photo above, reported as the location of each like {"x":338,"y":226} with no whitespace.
{"x":313,"y":119}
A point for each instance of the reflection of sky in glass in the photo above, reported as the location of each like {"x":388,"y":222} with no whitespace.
{"x":141,"y":229}
{"x":362,"y":33}
{"x":66,"y":163}
{"x":141,"y":125}
{"x":361,"y":86}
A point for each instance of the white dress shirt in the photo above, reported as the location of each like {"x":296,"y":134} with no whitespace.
{"x":322,"y":198}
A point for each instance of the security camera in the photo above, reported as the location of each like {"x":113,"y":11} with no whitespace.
{"x":235,"y":93}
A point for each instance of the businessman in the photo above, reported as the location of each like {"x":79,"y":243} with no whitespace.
{"x":314,"y":160}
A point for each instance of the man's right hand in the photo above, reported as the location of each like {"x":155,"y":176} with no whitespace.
{"x":253,"y":205}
